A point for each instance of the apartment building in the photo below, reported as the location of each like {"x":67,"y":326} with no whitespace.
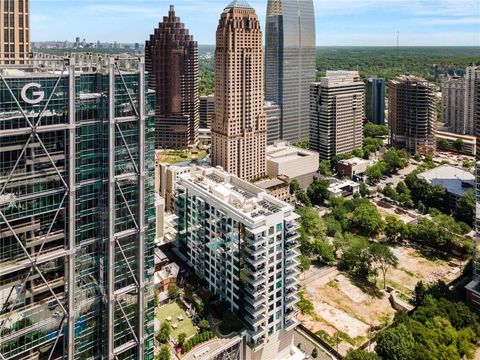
{"x":412,"y":114}
{"x":336,"y":113}
{"x":241,"y":242}
{"x":453,"y":105}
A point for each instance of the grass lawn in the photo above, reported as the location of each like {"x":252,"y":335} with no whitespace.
{"x":174,"y":310}
{"x":176,"y":156}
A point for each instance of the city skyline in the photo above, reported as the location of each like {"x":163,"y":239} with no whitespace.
{"x":361,"y":23}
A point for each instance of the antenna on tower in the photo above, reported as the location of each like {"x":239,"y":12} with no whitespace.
{"x":398,"y":42}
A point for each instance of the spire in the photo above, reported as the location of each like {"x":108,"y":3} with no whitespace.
{"x":238,"y":4}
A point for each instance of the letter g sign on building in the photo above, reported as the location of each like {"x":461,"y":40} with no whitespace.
{"x":38,"y":95}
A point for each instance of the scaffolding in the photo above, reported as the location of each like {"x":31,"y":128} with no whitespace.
{"x":77,"y":218}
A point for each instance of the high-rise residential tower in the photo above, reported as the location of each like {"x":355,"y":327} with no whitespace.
{"x":412,"y":114}
{"x":171,"y":57}
{"x":473,"y":288}
{"x":14,"y":31}
{"x":337,"y":111}
{"x":241,"y":242}
{"x":375,"y":100}
{"x":472,"y":74}
{"x":239,"y":126}
{"x":77,"y":224}
{"x":290,"y":63}
{"x":453,"y":104}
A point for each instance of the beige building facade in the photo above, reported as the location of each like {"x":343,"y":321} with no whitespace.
{"x":472,"y":74}
{"x":337,"y":113}
{"x":239,"y":124}
{"x":453,"y":105}
{"x":15,"y":32}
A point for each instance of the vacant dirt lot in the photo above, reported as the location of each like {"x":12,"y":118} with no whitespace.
{"x":345,"y":310}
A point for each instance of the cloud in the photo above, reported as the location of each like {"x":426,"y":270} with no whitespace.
{"x":467,"y":20}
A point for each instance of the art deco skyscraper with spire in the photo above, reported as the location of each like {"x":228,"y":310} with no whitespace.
{"x":239,"y":124}
{"x":171,"y":58}
{"x":290,"y":63}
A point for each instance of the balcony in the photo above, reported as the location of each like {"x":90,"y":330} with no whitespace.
{"x":291,"y":300}
{"x":258,"y":334}
{"x":256,"y":280}
{"x":261,"y":241}
{"x":256,"y":300}
{"x":255,"y":321}
{"x":259,"y":290}
{"x":291,"y":244}
{"x":257,"y":260}
{"x":292,"y":226}
{"x":291,"y":282}
{"x":291,"y":254}
{"x":255,"y":312}
{"x":256,"y":250}
{"x":291,"y":324}
{"x":291,"y":264}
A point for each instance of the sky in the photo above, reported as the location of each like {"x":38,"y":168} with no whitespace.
{"x":338,"y":22}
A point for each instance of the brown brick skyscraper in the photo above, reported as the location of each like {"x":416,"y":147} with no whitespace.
{"x":14,"y":31}
{"x":239,"y":125}
{"x":171,"y":58}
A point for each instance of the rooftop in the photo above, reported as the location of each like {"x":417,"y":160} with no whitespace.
{"x":455,"y":180}
{"x":238,"y":4}
{"x":354,"y":161}
{"x":282,"y":151}
{"x":238,"y":195}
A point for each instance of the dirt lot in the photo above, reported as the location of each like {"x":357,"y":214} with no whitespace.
{"x":345,"y":310}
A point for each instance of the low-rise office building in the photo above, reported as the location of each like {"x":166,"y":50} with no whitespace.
{"x":293,"y":162}
{"x":343,"y":188}
{"x":352,"y":167}
{"x":455,"y":180}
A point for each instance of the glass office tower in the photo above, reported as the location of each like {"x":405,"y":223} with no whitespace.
{"x":76,"y":210}
{"x":290,"y":63}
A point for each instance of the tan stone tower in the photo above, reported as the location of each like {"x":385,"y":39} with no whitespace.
{"x":239,"y":124}
{"x":14,"y":30}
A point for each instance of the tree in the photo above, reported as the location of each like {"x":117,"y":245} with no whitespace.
{"x":303,"y":198}
{"x":390,"y":192}
{"x":294,"y":187}
{"x":314,"y":353}
{"x":375,"y":172}
{"x":420,"y":292}
{"x":396,"y":343}
{"x":459,"y":145}
{"x":324,"y":168}
{"x":164,"y":333}
{"x":395,"y":160}
{"x":181,"y":339}
{"x":305,"y":263}
{"x":173,"y":291}
{"x":373,"y":130}
{"x":357,"y":258}
{"x":367,"y":220}
{"x":204,"y":325}
{"x":318,"y":192}
{"x":395,"y":229}
{"x":155,"y":297}
{"x":384,"y":259}
{"x":358,"y":153}
{"x":360,"y":354}
{"x":364,"y":190}
{"x":164,"y":353}
{"x":304,"y":305}
{"x":465,"y":209}
{"x":443,"y":144}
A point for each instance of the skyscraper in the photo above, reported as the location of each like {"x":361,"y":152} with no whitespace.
{"x":14,"y":30}
{"x":337,"y":109}
{"x":290,"y":63}
{"x":207,"y":111}
{"x":171,"y":57}
{"x":472,"y":74}
{"x":76,"y":211}
{"x":453,"y":104}
{"x":273,"y":115}
{"x":412,"y":114}
{"x":239,"y":125}
{"x":375,"y":100}
{"x":241,"y":242}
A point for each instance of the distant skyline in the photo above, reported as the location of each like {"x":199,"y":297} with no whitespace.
{"x":339,"y":22}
